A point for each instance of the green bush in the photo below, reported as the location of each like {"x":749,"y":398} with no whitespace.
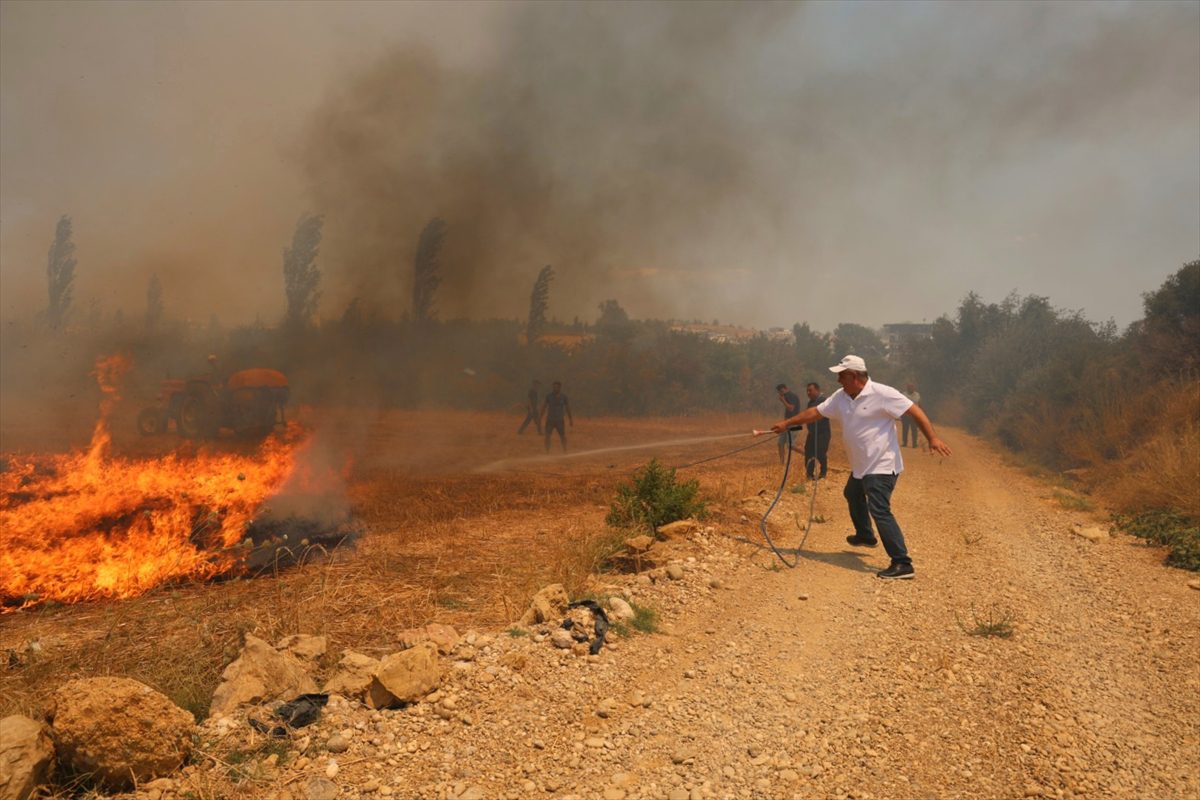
{"x":654,"y":498}
{"x":1169,"y":528}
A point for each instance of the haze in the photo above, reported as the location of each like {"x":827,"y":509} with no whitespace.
{"x":760,"y":164}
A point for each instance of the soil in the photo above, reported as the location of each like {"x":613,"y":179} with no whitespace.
{"x":1023,"y":661}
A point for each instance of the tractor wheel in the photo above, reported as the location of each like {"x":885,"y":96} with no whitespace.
{"x":197,"y":418}
{"x":151,"y":421}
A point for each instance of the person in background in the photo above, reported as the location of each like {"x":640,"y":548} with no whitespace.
{"x":531,"y":409}
{"x":556,"y":408}
{"x":907,"y":424}
{"x":816,"y":443}
{"x":868,"y":412}
{"x":791,"y":407}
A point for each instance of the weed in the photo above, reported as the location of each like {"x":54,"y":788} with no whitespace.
{"x":517,"y":633}
{"x":654,"y":498}
{"x":992,"y":621}
{"x":1073,"y":502}
{"x":645,"y":618}
{"x":1170,"y":528}
{"x":799,"y":488}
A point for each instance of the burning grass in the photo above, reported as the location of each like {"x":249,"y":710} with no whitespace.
{"x":441,"y":543}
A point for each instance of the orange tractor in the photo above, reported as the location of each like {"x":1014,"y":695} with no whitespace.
{"x":250,"y":403}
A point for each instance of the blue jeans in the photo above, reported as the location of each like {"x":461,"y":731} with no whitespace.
{"x":870,"y":498}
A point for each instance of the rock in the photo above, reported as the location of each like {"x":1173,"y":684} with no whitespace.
{"x":675,"y":530}
{"x":675,"y":572}
{"x":562,"y":638}
{"x":304,"y":647}
{"x":119,"y":730}
{"x":1194,"y":583}
{"x":320,"y":789}
{"x":259,"y":674}
{"x":26,"y":757}
{"x":547,"y":605}
{"x":639,"y":544}
{"x":354,"y":675}
{"x":1092,"y":533}
{"x":337,"y":744}
{"x":405,"y":677}
{"x":620,"y":608}
{"x":443,"y":636}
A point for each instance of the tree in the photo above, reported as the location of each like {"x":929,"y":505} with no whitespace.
{"x":425,"y":269}
{"x":812,"y":348}
{"x":539,"y":299}
{"x":859,"y":340}
{"x":60,"y":273}
{"x":154,"y":304}
{"x":301,"y":277}
{"x":1170,"y":332}
{"x":613,"y":322}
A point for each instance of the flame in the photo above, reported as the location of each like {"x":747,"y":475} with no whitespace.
{"x":86,"y":525}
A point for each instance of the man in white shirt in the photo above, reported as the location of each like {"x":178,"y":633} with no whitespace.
{"x":868,"y":412}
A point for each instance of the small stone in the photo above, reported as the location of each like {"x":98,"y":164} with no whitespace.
{"x":331,"y":769}
{"x":675,"y":572}
{"x":561,"y":638}
{"x":1194,"y":583}
{"x":802,"y":597}
{"x":594,"y":742}
{"x":320,"y":789}
{"x":337,"y":744}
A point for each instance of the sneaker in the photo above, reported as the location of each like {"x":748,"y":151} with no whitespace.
{"x":902,"y":572}
{"x":857,"y":542}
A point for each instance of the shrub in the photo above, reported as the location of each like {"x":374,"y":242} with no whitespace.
{"x":1169,"y":528}
{"x":654,"y":498}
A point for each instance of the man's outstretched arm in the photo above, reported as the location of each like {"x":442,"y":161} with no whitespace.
{"x":936,"y":445}
{"x":803,"y":418}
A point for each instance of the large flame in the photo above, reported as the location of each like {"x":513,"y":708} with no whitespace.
{"x":86,"y":525}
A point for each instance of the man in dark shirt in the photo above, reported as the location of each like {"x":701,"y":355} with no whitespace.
{"x":556,"y":408}
{"x":531,"y":410}
{"x":816,"y":445}
{"x":791,"y":407}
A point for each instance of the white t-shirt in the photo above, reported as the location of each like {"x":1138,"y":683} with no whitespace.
{"x":869,"y":427}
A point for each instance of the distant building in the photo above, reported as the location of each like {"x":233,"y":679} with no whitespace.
{"x":896,"y":332}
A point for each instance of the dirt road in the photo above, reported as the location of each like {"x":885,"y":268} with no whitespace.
{"x":825,"y":681}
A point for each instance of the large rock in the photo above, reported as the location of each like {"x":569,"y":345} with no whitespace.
{"x":405,"y":677}
{"x":444,"y":636}
{"x":118,"y":731}
{"x":259,"y":674}
{"x":354,"y":675}
{"x":547,"y":605}
{"x":308,"y":649}
{"x":26,"y":757}
{"x":677,"y":529}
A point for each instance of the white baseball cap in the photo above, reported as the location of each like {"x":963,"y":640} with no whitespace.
{"x":852,"y":363}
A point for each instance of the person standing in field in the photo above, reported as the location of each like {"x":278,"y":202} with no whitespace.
{"x":907,"y":424}
{"x":816,"y":443}
{"x":868,"y":412}
{"x":791,"y":407}
{"x":531,"y":410}
{"x":556,"y":409}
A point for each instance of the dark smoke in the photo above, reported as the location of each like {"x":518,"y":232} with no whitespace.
{"x":602,"y":137}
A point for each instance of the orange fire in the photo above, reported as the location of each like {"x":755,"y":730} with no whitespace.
{"x":86,"y":525}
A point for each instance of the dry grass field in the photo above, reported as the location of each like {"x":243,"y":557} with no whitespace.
{"x":450,"y":536}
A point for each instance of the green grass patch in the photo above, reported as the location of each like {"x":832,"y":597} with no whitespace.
{"x":517,"y":633}
{"x":645,"y":620}
{"x":1168,"y":528}
{"x":1073,"y":502}
{"x":992,"y":622}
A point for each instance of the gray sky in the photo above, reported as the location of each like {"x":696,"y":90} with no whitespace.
{"x":765,"y":164}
